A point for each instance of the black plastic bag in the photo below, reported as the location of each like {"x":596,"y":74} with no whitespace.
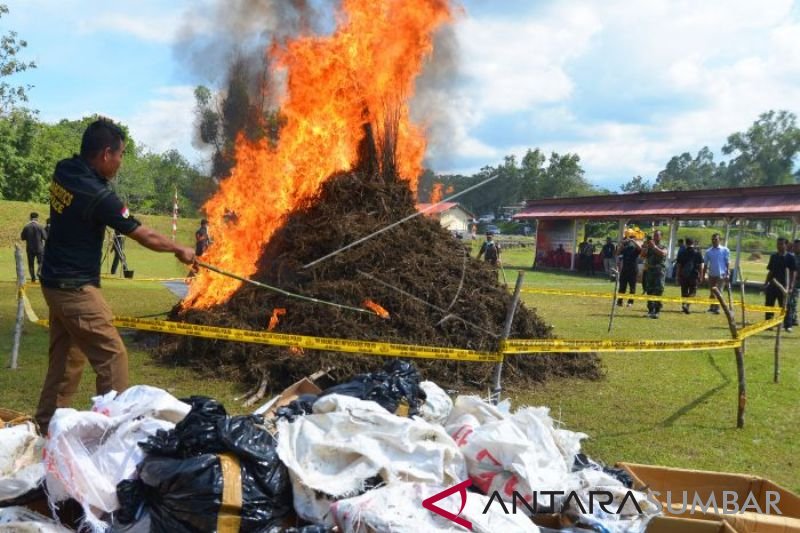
{"x":583,"y":461}
{"x":183,"y":478}
{"x":398,"y":382}
{"x":301,"y":406}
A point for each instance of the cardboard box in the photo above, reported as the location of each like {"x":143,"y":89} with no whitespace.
{"x":291,"y":393}
{"x":668,"y":524}
{"x":749,"y":492}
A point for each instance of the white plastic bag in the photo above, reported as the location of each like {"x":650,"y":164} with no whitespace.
{"x":622,"y":514}
{"x":141,"y":400}
{"x":332,"y":453}
{"x":437,"y":404}
{"x":398,"y":508}
{"x":90,"y":452}
{"x":520,"y":452}
{"x":21,"y":468}
{"x":22,"y":520}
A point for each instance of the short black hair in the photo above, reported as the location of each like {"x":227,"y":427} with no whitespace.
{"x":689,"y":242}
{"x":715,"y":235}
{"x":203,"y":221}
{"x":99,"y":135}
{"x":782,"y":239}
{"x":34,"y":215}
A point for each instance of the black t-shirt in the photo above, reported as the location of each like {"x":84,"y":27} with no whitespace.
{"x":608,"y":251}
{"x":81,"y":206}
{"x":34,"y":235}
{"x":778,"y":265}
{"x":491,"y":250}
{"x":630,"y":257}
{"x":690,"y":260}
{"x":201,"y":240}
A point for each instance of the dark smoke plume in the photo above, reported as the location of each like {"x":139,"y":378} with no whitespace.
{"x":224,"y":45}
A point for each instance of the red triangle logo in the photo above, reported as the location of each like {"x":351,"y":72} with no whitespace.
{"x":461,"y":488}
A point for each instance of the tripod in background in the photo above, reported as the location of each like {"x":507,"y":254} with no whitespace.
{"x":118,"y":248}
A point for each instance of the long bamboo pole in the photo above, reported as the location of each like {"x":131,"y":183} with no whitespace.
{"x":497,"y":387}
{"x":20,"y":307}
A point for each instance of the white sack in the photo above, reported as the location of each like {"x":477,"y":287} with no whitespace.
{"x":520,"y":452}
{"x":437,"y":404}
{"x":22,"y":520}
{"x":142,"y":400}
{"x":21,"y":468}
{"x":398,"y":508}
{"x":347,"y":441}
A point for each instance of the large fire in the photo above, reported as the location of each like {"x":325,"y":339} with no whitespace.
{"x":334,"y":86}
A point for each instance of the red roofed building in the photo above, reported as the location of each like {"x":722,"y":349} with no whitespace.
{"x":559,"y":219}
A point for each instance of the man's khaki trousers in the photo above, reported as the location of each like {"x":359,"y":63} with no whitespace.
{"x":80,"y":330}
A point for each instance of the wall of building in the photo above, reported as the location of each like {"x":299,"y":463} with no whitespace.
{"x":455,"y":220}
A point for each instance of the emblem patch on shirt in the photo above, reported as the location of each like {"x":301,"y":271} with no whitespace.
{"x":125,"y":213}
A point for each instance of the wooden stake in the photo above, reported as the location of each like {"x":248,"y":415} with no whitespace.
{"x":20,"y":307}
{"x":614,"y":300}
{"x":497,"y":388}
{"x":744,"y":310}
{"x":739,"y":358}
{"x":777,"y":371}
{"x":729,"y":289}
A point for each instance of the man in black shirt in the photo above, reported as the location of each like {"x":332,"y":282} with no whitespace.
{"x":81,"y":206}
{"x":779,"y":263}
{"x":688,"y":266}
{"x":609,"y":253}
{"x":201,"y":238}
{"x":34,"y":236}
{"x":490,"y":250}
{"x":628,"y":251}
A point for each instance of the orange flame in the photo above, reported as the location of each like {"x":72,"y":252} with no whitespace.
{"x":436,"y":193}
{"x":273,"y":320}
{"x":450,"y":190}
{"x":335,"y":85}
{"x":375,"y":308}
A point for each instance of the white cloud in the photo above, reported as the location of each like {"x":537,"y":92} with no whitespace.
{"x":149,"y":22}
{"x":514,"y":64}
{"x":166,"y":121}
{"x":155,"y":29}
{"x":722,"y":63}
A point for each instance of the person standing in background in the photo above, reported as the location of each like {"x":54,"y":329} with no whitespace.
{"x":716,"y":268}
{"x":34,"y":236}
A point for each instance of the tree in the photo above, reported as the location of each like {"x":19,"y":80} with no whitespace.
{"x":18,"y":170}
{"x":222,"y":118}
{"x":10,"y":64}
{"x":637,"y":184}
{"x":765,"y":153}
{"x":684,"y":172}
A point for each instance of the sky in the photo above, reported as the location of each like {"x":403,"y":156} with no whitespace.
{"x":625,"y":84}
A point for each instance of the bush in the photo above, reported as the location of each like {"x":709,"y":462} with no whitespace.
{"x":753,"y":245}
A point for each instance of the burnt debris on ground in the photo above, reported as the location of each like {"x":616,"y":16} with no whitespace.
{"x":435,"y":293}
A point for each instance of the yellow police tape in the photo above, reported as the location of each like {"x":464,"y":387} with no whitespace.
{"x":281,"y":339}
{"x":509,"y":347}
{"x":644,"y":297}
{"x":117,"y":278}
{"x":527,"y":346}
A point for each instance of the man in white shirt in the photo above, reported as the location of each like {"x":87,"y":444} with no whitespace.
{"x":716,"y":268}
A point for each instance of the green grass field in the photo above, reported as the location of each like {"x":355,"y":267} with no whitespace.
{"x":676,"y":409}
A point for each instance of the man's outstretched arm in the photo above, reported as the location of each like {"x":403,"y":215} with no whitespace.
{"x":153,"y":240}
